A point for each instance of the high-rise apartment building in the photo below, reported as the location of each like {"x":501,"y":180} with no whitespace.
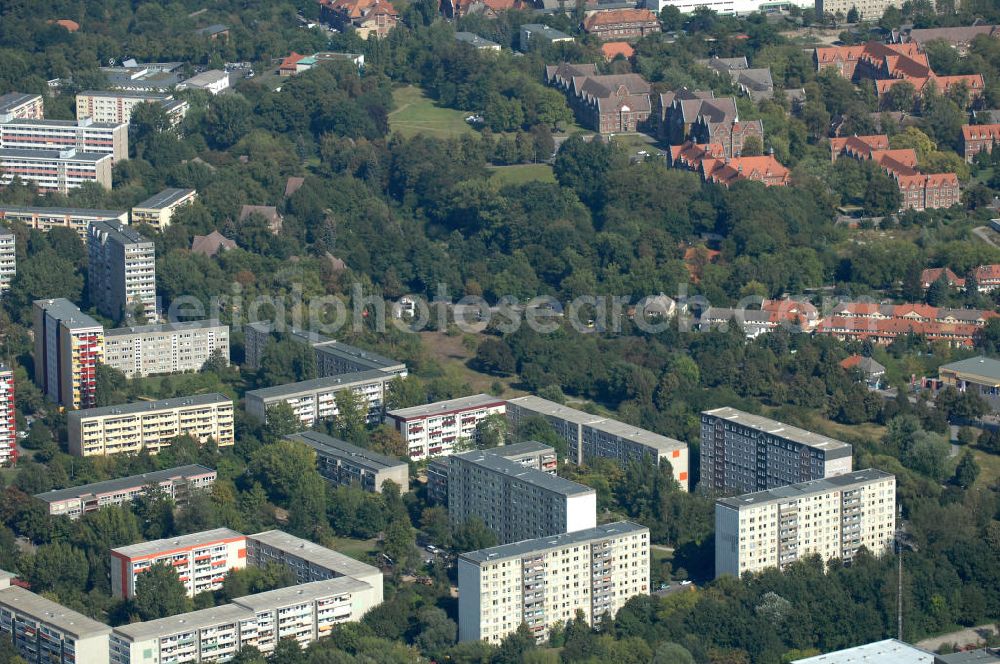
{"x":530,"y":454}
{"x":43,"y":219}
{"x":122,"y":272}
{"x":55,"y":171}
{"x":831,"y":518}
{"x":201,"y":560}
{"x":342,"y":463}
{"x":435,"y":429}
{"x":545,"y":581}
{"x":316,"y":399}
{"x":151,"y":425}
{"x":514,"y":501}
{"x":84,"y":135}
{"x":68,"y":346}
{"x":8,"y":258}
{"x":158,"y":210}
{"x":44,"y":632}
{"x":741,"y":453}
{"x":8,"y":425}
{"x":333,"y":358}
{"x":169,"y":348}
{"x":20,"y":106}
{"x":117,"y":105}
{"x":176,"y":483}
{"x":593,"y":436}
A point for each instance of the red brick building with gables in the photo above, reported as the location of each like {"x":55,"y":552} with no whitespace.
{"x":621,"y":24}
{"x":616,"y":103}
{"x":979,"y":138}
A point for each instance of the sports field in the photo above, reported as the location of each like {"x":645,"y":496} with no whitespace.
{"x":416,"y":113}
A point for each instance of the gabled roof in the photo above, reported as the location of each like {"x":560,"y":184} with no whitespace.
{"x":760,"y":169}
{"x":290,"y":62}
{"x":616,"y":16}
{"x":611,"y":50}
{"x":979,"y":132}
{"x":211,"y":244}
{"x":932,"y":274}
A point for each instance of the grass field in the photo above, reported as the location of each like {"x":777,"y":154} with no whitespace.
{"x":416,"y":113}
{"x":989,"y":468}
{"x":355,"y":548}
{"x":522,"y":173}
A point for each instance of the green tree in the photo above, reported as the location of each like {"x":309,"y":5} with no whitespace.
{"x":473,"y":535}
{"x":159,"y":593}
{"x":352,"y":414}
{"x":515,"y":646}
{"x":281,"y":421}
{"x":56,"y":566}
{"x":672,"y":653}
{"x":436,"y":632}
{"x":280,"y":466}
{"x":227,"y":121}
{"x":155,"y":510}
{"x":491,"y":431}
{"x":752,"y":147}
{"x":967,"y":470}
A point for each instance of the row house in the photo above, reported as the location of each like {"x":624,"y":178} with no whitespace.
{"x":933,"y":274}
{"x":987,"y":277}
{"x":366,"y":17}
{"x":606,"y":103}
{"x":979,"y":138}
{"x":884,"y":332}
{"x":919,"y":312}
{"x":619,"y":24}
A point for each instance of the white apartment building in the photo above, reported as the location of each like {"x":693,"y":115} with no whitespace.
{"x":201,"y":560}
{"x":593,"y":436}
{"x":122,"y":271}
{"x":316,"y":399}
{"x":68,"y":346}
{"x":726,"y":7}
{"x":115,"y":106}
{"x":870,"y":10}
{"x":741,"y":453}
{"x":84,"y":135}
{"x":8,"y":425}
{"x":213,"y":81}
{"x":514,"y":501}
{"x":436,"y":429}
{"x":170,"y":348}
{"x":305,"y":613}
{"x":832,"y":518}
{"x":55,"y":171}
{"x":44,"y":632}
{"x":8,"y":258}
{"x":20,"y":106}
{"x":343,"y":463}
{"x":152,"y":425}
{"x":43,"y":219}
{"x":545,"y":581}
{"x":176,"y":483}
{"x":158,"y":210}
{"x":311,"y":562}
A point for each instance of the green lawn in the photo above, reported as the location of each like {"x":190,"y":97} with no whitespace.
{"x":522,"y":173}
{"x":355,"y":548}
{"x":989,"y":467}
{"x":416,"y":113}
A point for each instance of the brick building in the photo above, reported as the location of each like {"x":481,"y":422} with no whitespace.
{"x":366,"y":17}
{"x":619,"y":24}
{"x":613,"y":103}
{"x":979,"y":138}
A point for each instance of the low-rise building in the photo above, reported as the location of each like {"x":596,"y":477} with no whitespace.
{"x":212,"y":81}
{"x":832,"y":518}
{"x":20,"y":106}
{"x":45,"y":218}
{"x":157,"y":211}
{"x":889,"y":651}
{"x":544,"y":582}
{"x":978,"y":375}
{"x":514,"y":501}
{"x":84,"y":135}
{"x":150,"y":425}
{"x":981,"y":656}
{"x":157,"y":77}
{"x":55,"y":171}
{"x":537,"y":33}
{"x":342,"y":463}
{"x":742,"y":453}
{"x":8,"y":258}
{"x":211,"y":244}
{"x":121,"y":272}
{"x":44,"y":632}
{"x":477,"y":42}
{"x":149,"y":350}
{"x":201,"y":560}
{"x":593,"y":436}
{"x":316,"y":399}
{"x":366,"y":17}
{"x":175,"y":483}
{"x":437,"y":429}
{"x":618,"y":24}
{"x":116,"y":106}
{"x":268,"y":212}
{"x":979,"y":138}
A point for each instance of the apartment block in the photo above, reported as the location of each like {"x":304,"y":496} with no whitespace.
{"x":8,"y":426}
{"x":55,"y":171}
{"x":201,"y":560}
{"x":831,"y":518}
{"x":593,"y":436}
{"x":333,"y":358}
{"x":545,"y":581}
{"x":530,"y":454}
{"x":117,"y":105}
{"x":151,"y":425}
{"x":84,"y":135}
{"x":44,"y":632}
{"x":436,"y":429}
{"x":169,"y":348}
{"x":342,"y":463}
{"x":311,"y":562}
{"x":68,"y":346}
{"x":158,"y":211}
{"x":43,"y":219}
{"x":176,"y":483}
{"x":316,"y":399}
{"x":305,"y":613}
{"x":8,"y":258}
{"x":514,"y":501}
{"x":122,"y":271}
{"x":870,"y":10}
{"x":20,"y":106}
{"x":742,"y":453}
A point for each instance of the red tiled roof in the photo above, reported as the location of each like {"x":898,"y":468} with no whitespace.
{"x":611,"y":50}
{"x":930,"y":275}
{"x":976,"y":132}
{"x":290,"y":61}
{"x":72,"y":26}
{"x":691,"y":154}
{"x":760,"y":169}
{"x":987,"y":273}
{"x":614,"y":16}
{"x":872,"y":142}
{"x":851,"y":362}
